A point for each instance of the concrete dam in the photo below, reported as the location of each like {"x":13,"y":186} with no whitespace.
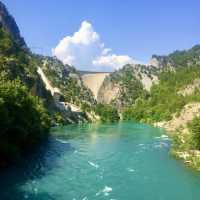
{"x":93,"y":80}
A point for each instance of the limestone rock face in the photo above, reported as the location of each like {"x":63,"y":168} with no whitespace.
{"x":121,"y":88}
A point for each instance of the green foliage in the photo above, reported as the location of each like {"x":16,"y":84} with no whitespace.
{"x":164,"y":99}
{"x":107,"y":113}
{"x":130,"y":88}
{"x":67,"y":79}
{"x":194,"y":128}
{"x":23,"y":119}
{"x":58,"y":118}
{"x":179,"y":59}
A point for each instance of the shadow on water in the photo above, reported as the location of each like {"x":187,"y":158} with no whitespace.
{"x":34,"y":167}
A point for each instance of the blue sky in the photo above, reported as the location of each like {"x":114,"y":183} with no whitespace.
{"x":136,"y":28}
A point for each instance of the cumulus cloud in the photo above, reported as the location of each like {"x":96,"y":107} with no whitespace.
{"x":85,"y":51}
{"x":113,"y":61}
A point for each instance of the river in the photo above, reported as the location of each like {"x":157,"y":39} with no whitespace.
{"x":122,"y":161}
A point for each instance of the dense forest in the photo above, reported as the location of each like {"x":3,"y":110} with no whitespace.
{"x":24,"y":119}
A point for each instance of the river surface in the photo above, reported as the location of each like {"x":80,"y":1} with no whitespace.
{"x":124,"y":161}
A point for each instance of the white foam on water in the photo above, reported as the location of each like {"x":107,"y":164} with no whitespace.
{"x":140,"y":144}
{"x":98,"y":193}
{"x":85,"y":198}
{"x":106,"y":191}
{"x":164,"y":136}
{"x":160,"y":145}
{"x":130,"y":170}
{"x":93,"y":164}
{"x":61,"y":141}
{"x":35,"y":190}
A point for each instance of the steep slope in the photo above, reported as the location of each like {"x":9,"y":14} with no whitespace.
{"x":66,"y":79}
{"x":7,"y":22}
{"x":67,"y":88}
{"x":165,"y":98}
{"x":26,"y":103}
{"x":24,"y":121}
{"x":174,"y":103}
{"x":20,"y":62}
{"x":124,"y":86}
{"x":177,"y":59}
{"x":181,"y":119}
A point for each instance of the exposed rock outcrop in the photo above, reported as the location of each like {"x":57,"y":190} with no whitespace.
{"x":180,"y":120}
{"x":124,"y":86}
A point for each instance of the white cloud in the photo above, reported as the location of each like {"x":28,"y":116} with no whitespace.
{"x":85,"y":51}
{"x":113,"y":61}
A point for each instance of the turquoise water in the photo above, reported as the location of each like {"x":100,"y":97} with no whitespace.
{"x":124,"y":161}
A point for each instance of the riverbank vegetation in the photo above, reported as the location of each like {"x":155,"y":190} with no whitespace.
{"x":165,"y":98}
{"x":179,"y":83}
{"x":23,"y":119}
{"x":186,"y":145}
{"x":107,"y":113}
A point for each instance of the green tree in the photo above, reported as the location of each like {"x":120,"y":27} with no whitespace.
{"x":23,"y":119}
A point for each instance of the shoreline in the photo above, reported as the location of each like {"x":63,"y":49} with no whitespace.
{"x":179,"y":147}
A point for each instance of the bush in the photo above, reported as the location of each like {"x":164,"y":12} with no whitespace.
{"x":23,"y":120}
{"x":194,"y":127}
{"x":107,"y":113}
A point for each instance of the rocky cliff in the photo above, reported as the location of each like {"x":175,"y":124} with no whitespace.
{"x":124,"y":86}
{"x":18,"y":62}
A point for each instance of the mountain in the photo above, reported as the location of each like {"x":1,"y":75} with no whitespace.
{"x":7,"y":22}
{"x":35,"y":92}
{"x":66,"y":86}
{"x":38,"y":91}
{"x":75,"y":94}
{"x":123,"y":87}
{"x":177,"y":59}
{"x":67,"y":79}
{"x":174,"y":103}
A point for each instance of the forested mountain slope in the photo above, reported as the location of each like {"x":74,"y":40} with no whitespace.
{"x":123,"y":87}
{"x":27,"y":107}
{"x":174,"y":103}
